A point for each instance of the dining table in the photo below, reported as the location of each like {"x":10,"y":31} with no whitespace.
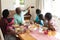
{"x":36,"y":35}
{"x":26,"y":36}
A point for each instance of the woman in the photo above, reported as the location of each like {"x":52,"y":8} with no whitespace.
{"x":6,"y":26}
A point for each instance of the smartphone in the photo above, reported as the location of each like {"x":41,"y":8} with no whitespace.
{"x":32,"y":6}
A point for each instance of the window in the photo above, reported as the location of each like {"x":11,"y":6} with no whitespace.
{"x":48,"y":6}
{"x":19,"y":3}
{"x":52,"y":6}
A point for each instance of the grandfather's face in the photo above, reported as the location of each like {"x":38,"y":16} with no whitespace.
{"x":18,"y":10}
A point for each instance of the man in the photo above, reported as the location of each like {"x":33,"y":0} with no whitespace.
{"x":19,"y":16}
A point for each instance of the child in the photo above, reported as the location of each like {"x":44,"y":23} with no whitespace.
{"x":48,"y":22}
{"x":41,"y":20}
{"x":37,"y":12}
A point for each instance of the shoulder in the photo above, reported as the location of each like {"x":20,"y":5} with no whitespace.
{"x":36,"y":16}
{"x":52,"y":20}
{"x":15,"y":15}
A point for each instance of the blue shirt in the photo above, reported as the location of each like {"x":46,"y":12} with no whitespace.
{"x":19,"y":18}
{"x":39,"y":21}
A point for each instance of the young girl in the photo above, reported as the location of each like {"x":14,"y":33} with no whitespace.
{"x":49,"y":22}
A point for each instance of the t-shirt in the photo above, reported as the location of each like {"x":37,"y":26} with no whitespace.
{"x":41,"y":22}
{"x":51,"y":25}
{"x":37,"y":19}
{"x":51,"y":22}
{"x":19,"y":19}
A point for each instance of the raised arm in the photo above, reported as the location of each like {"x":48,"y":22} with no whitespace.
{"x":25,"y":11}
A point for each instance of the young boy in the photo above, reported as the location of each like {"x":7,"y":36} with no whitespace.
{"x":41,"y":20}
{"x":38,"y":13}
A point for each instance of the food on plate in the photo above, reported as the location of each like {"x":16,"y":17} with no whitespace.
{"x":16,"y":25}
{"x":20,"y":29}
{"x":45,"y":31}
{"x":51,"y":33}
{"x":33,"y":27}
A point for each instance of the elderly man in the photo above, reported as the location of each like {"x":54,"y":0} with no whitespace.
{"x":19,"y":16}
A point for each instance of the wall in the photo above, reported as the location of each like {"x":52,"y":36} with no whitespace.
{"x":9,"y":4}
{"x":37,"y":4}
{"x":47,"y":6}
{"x":52,"y":7}
{"x":32,"y":10}
{"x":56,"y":8}
{"x":40,"y":4}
